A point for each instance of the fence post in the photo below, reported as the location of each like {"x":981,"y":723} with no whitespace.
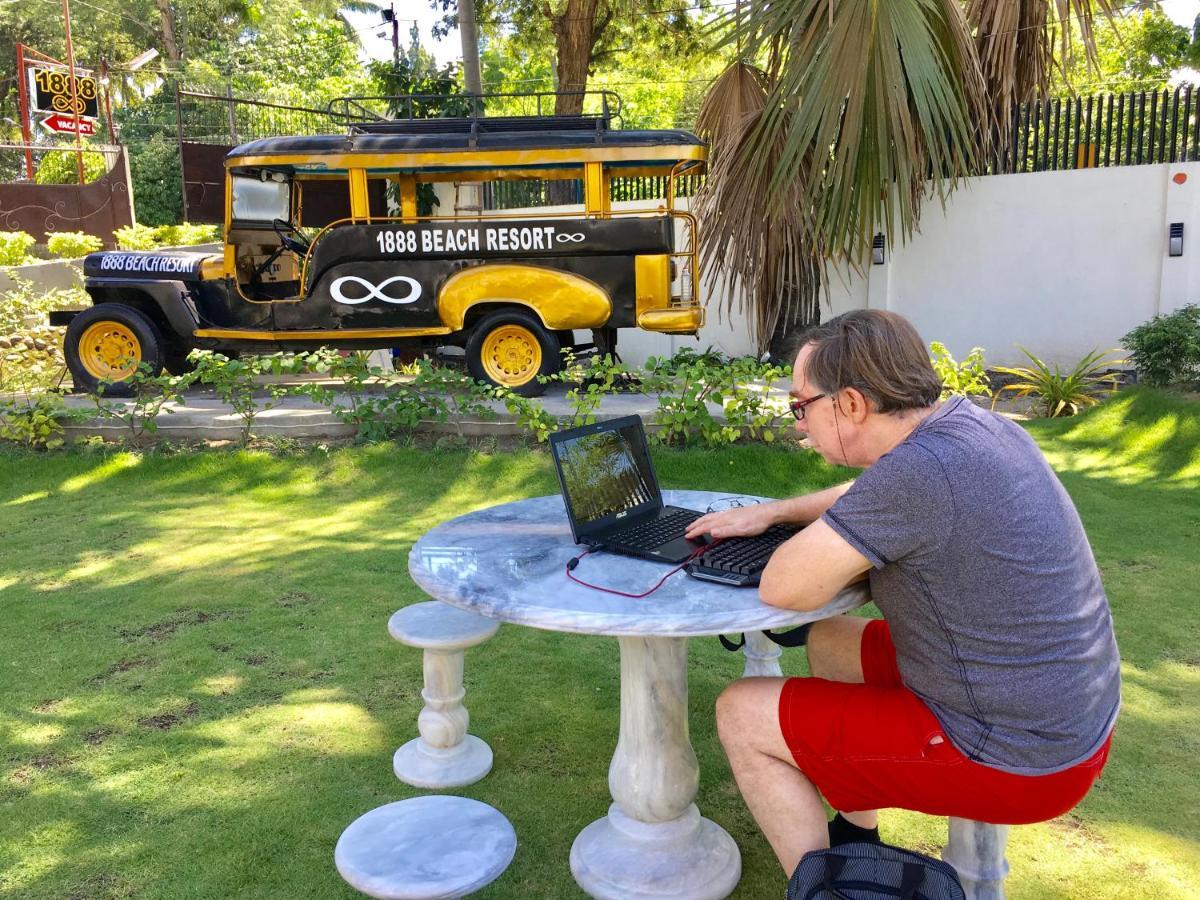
{"x":179,"y":138}
{"x":232,"y":115}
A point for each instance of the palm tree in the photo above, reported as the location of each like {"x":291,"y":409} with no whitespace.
{"x":859,"y":111}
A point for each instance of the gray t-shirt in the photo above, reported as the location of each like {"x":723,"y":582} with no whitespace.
{"x":986,"y":578}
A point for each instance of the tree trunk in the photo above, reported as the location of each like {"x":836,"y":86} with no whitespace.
{"x":166,"y":20}
{"x":575,"y":34}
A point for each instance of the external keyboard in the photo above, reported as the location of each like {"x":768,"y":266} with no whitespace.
{"x":740,"y":561}
{"x":656,"y":532}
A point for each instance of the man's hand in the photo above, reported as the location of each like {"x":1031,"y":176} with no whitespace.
{"x":743,"y":522}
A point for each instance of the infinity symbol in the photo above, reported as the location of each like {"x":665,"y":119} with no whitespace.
{"x":375,"y":292}
{"x":573,"y":238}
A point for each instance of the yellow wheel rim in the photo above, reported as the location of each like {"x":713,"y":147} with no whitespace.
{"x":109,"y":351}
{"x":511,"y":355}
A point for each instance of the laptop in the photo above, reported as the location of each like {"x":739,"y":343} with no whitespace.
{"x":612,"y":496}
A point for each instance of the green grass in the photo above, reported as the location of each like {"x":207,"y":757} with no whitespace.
{"x":199,"y":692}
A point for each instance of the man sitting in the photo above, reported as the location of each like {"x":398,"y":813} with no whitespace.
{"x":990,"y":688}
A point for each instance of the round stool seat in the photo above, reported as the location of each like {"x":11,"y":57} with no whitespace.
{"x":425,"y":848}
{"x":439,"y":626}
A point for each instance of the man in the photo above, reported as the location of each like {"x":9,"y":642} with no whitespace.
{"x":990,"y":688}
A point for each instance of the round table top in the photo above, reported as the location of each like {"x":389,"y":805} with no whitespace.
{"x":508,"y":562}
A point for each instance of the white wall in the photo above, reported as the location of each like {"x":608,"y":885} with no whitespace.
{"x":1059,"y":262}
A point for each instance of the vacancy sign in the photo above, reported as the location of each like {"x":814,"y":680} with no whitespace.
{"x":61,"y":124}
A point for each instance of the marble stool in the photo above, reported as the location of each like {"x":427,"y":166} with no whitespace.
{"x":444,"y":756}
{"x":976,"y":850}
{"x":425,"y":848}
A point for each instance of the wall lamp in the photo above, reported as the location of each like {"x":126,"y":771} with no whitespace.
{"x":877,"y":249}
{"x":1175,"y":240}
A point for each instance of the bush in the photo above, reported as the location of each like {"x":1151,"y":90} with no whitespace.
{"x":157,"y":190}
{"x":143,"y":237}
{"x":135,"y":237}
{"x":14,"y":247}
{"x":59,"y":167}
{"x":1063,"y":394}
{"x":1167,"y":348}
{"x":966,"y":378}
{"x":73,"y":244}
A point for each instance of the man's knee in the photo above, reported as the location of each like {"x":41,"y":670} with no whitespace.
{"x":748,"y":713}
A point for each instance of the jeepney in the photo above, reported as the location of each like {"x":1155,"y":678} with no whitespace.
{"x":324,"y":246}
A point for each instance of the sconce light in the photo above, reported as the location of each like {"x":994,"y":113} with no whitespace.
{"x":877,"y":249}
{"x":1175,"y":241}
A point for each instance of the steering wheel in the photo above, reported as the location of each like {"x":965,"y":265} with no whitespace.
{"x":290,"y":237}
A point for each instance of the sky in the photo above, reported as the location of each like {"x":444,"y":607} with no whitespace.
{"x":377,"y":42}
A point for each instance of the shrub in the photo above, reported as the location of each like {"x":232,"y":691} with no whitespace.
{"x":59,"y":167}
{"x":73,"y":244}
{"x":236,"y":382}
{"x":184,"y":235}
{"x":1167,"y":348}
{"x":965,"y":378}
{"x":1063,"y":394}
{"x":151,"y":394}
{"x":14,"y":247}
{"x":157,"y":184}
{"x":135,"y":237}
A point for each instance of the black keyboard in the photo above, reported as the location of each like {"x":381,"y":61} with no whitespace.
{"x":650,"y":535}
{"x":740,"y":561}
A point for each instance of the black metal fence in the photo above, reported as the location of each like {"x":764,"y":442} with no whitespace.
{"x":1131,"y":129}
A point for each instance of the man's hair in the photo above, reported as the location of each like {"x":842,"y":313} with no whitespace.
{"x":879,"y":354}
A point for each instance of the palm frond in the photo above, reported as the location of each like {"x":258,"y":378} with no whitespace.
{"x":764,"y":255}
{"x":867,"y":108}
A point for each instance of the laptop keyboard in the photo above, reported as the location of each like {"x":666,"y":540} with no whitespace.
{"x":745,"y":555}
{"x":656,"y":532}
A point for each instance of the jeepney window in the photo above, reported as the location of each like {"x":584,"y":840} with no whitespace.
{"x":532,"y":193}
{"x":259,"y":200}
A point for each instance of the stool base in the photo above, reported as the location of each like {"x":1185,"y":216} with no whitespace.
{"x":422,"y":766}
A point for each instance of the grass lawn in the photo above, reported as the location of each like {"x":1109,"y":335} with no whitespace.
{"x":199,"y":692}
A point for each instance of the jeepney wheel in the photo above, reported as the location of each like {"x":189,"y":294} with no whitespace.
{"x":175,"y":360}
{"x":107,"y":343}
{"x":511,"y":349}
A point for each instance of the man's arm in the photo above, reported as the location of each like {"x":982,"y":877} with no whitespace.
{"x":751,"y":520}
{"x":808,"y":570}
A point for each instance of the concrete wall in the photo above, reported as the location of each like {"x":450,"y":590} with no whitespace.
{"x":1059,"y":262}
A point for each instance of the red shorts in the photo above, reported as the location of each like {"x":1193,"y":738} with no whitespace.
{"x":877,"y":746}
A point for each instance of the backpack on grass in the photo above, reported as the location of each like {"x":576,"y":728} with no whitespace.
{"x":868,"y":871}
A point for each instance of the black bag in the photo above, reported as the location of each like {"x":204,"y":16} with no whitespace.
{"x":867,"y":871}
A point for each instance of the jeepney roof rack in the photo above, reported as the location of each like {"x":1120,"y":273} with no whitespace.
{"x":406,"y":114}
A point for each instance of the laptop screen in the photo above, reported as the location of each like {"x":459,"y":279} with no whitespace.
{"x":606,"y":474}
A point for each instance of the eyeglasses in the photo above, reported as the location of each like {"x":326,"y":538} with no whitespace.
{"x":797,"y":406}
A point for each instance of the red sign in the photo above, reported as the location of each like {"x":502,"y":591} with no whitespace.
{"x":66,"y":124}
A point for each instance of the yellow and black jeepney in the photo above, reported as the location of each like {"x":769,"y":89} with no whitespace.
{"x":325,"y":246}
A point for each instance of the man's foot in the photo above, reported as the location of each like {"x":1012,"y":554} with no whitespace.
{"x":843,"y":831}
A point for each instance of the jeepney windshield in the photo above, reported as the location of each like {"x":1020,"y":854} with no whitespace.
{"x":261,"y":199}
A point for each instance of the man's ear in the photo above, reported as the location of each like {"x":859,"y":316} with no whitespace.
{"x":852,"y":404}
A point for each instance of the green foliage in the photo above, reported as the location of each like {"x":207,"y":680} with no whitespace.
{"x":60,"y":167}
{"x":33,"y":420}
{"x":135,"y":237}
{"x":145,"y":237}
{"x":691,"y":384}
{"x":73,"y":244}
{"x":966,"y":378}
{"x":157,"y":182}
{"x":1063,"y":393}
{"x":239,"y":383}
{"x":151,"y":394}
{"x":1137,"y":51}
{"x":531,"y":416}
{"x":599,"y":376}
{"x":1167,"y":348}
{"x":14,"y":247}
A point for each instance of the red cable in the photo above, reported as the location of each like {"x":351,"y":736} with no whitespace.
{"x":703,"y":548}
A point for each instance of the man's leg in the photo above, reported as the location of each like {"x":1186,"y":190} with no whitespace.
{"x":784,"y":803}
{"x":835,"y":653}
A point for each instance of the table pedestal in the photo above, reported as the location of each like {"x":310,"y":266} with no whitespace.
{"x":762,"y":656}
{"x":654,"y":843}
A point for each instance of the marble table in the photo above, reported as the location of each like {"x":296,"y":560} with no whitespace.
{"x":508,"y":563}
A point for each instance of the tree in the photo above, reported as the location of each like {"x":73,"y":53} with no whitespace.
{"x":858,"y":110}
{"x":1138,"y":52}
